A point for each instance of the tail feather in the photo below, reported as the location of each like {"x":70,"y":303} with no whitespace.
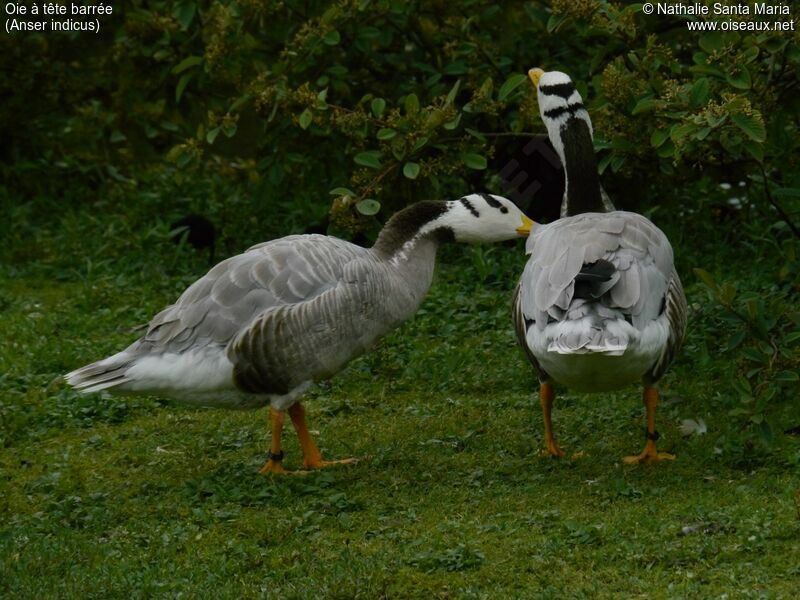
{"x":103,"y":374}
{"x":590,"y":334}
{"x":595,"y":279}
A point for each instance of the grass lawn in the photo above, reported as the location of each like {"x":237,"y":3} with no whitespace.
{"x":109,"y":497}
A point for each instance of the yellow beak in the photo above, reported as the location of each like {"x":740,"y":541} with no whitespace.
{"x":535,"y":75}
{"x":525,"y":228}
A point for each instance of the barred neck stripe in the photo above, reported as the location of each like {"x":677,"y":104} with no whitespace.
{"x":554,"y":113}
{"x":565,"y":90}
{"x":493,"y":203}
{"x":468,"y":205}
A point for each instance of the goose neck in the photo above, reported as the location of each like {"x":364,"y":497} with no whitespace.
{"x":581,"y":181}
{"x":411,"y":233}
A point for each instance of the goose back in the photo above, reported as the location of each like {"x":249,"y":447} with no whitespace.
{"x":602,"y":284}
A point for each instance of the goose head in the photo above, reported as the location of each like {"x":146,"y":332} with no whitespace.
{"x":483,"y":218}
{"x":473,"y":218}
{"x":559,"y":102}
{"x":570,"y":131}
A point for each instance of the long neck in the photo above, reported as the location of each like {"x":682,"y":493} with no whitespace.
{"x":582,"y":184}
{"x":410,"y":230}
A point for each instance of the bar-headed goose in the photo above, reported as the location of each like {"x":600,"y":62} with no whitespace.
{"x":599,"y":305}
{"x":260,"y":327}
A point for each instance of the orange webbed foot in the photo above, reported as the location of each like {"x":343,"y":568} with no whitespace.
{"x":551,"y":449}
{"x":273,"y":467}
{"x":318,"y":463}
{"x":648,"y":458}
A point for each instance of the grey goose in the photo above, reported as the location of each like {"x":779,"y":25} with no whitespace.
{"x":260,"y":327}
{"x":599,"y":305}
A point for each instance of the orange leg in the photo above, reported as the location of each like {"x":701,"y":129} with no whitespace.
{"x":312,"y":458}
{"x":650,"y":454}
{"x":546,"y":396}
{"x":273,"y":465}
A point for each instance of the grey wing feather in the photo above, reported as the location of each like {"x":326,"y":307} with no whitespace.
{"x":521,"y":330}
{"x":677,"y":314}
{"x":235,"y":292}
{"x":637,"y":248}
{"x":290,"y":344}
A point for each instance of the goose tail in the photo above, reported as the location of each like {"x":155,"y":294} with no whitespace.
{"x":101,"y":375}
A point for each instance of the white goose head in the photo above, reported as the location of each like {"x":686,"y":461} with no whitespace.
{"x":570,"y":131}
{"x":483,"y":218}
{"x":473,"y":218}
{"x":559,"y":102}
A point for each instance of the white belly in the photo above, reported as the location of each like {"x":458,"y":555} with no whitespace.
{"x":199,"y":378}
{"x":594,"y":372}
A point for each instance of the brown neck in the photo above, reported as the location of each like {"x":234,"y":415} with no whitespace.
{"x":406,"y":224}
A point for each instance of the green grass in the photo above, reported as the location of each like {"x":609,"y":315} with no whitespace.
{"x":108,"y":497}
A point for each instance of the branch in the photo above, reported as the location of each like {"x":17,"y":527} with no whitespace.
{"x":784,"y":216}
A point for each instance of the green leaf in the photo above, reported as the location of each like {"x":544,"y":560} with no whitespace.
{"x":378,"y":105}
{"x":727,"y":293}
{"x":332,"y":38}
{"x":554,"y":22}
{"x":698,"y":95}
{"x":787,"y":192}
{"x":451,"y":95}
{"x":114,"y":172}
{"x":751,"y":125}
{"x":342,"y":191}
{"x":750,"y":54}
{"x":386,"y":133}
{"x":716,"y":120}
{"x":787,"y":376}
{"x":645,"y":105}
{"x":707,"y":70}
{"x":510,"y":85}
{"x":182,"y":83}
{"x":368,"y":207}
{"x":239,"y":103}
{"x":419,"y":143}
{"x":702,"y":133}
{"x":411,"y":104}
{"x":681,"y":131}
{"x":117,"y":136}
{"x":305,"y":119}
{"x":476,"y":134}
{"x":756,"y":151}
{"x":411,"y":170}
{"x":369,"y":158}
{"x":474,"y":161}
{"x":736,"y":339}
{"x":658,"y":137}
{"x":212,"y":134}
{"x":187,"y":63}
{"x":229,"y":130}
{"x":753,"y":355}
{"x":741,"y":80}
{"x":711,"y":42}
{"x":741,"y":385}
{"x":666,"y":150}
{"x":603,"y":164}
{"x":450,"y":125}
{"x":706,"y":278}
{"x":184,"y":13}
{"x":399,"y":148}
